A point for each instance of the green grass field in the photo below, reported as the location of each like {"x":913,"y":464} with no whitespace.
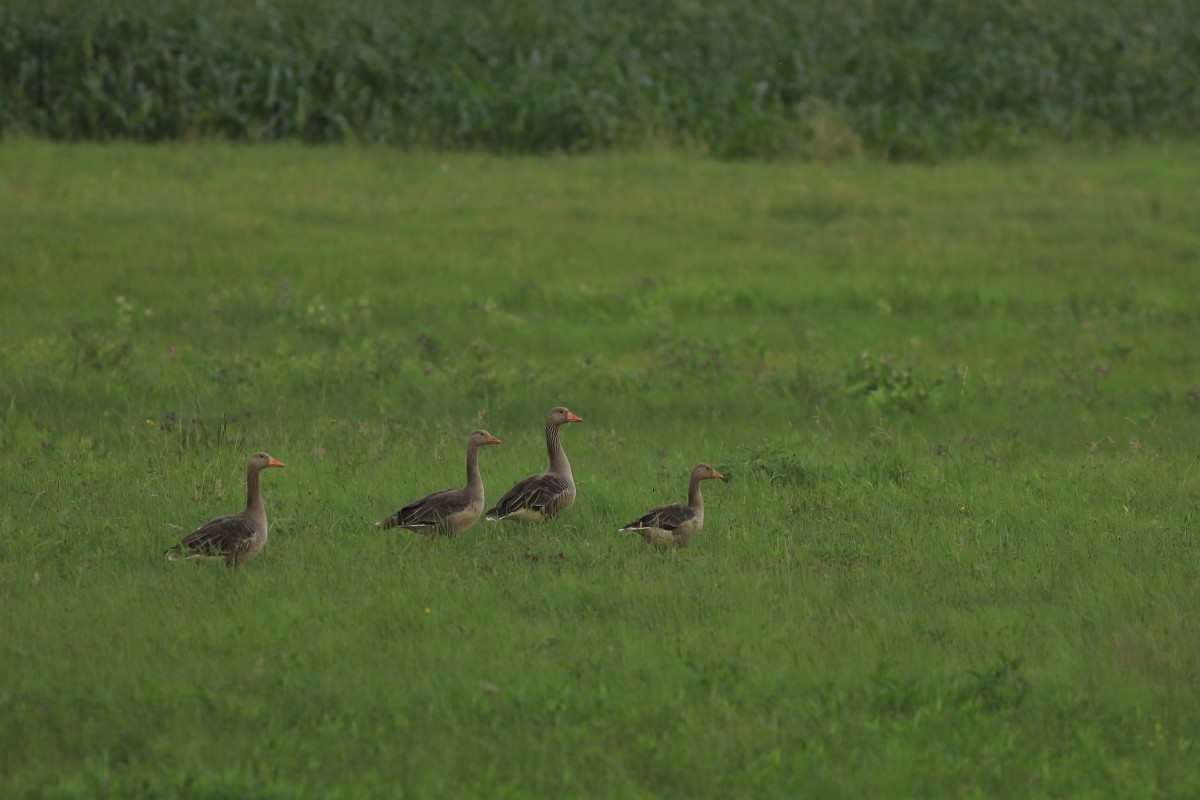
{"x":959,"y":408}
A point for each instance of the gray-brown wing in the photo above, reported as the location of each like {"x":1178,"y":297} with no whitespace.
{"x":535,"y":493}
{"x":222,"y":536}
{"x":429,"y":511}
{"x":667,"y":518}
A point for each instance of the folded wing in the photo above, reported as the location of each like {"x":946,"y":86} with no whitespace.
{"x":429,"y":511}
{"x":538,"y":494}
{"x":221,"y":537}
{"x":665,"y":518}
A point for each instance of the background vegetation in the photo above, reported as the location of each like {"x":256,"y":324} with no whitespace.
{"x":822,"y":78}
{"x":958,"y":406}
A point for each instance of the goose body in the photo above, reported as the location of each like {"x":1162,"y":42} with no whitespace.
{"x":674,"y":525}
{"x":541,"y":497}
{"x":235,"y":538}
{"x":450,"y":511}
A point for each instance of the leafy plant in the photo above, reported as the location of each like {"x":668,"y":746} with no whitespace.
{"x":1000,"y":687}
{"x":779,"y":464}
{"x":888,"y":387}
{"x":819,"y":79}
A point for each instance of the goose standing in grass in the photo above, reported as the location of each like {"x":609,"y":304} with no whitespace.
{"x":541,"y":497}
{"x":676,"y":524}
{"x":450,"y":511}
{"x":238,"y":537}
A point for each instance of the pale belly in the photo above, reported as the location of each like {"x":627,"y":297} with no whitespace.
{"x":676,"y":538}
{"x":255,"y":546}
{"x":459,"y":521}
{"x":526,"y":515}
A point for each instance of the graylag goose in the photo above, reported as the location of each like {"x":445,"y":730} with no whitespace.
{"x":236,"y":538}
{"x":676,"y":524}
{"x":450,"y":511}
{"x":541,"y":497}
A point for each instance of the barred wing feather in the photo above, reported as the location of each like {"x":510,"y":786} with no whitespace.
{"x":535,"y":493}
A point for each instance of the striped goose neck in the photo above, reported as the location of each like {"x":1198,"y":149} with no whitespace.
{"x":695,"y":499}
{"x":474,"y":481}
{"x":558,"y":459}
{"x":254,"y":501}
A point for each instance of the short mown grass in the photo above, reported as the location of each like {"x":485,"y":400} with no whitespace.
{"x":958,"y":407}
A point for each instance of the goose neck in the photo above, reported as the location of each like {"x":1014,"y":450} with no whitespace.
{"x":558,"y":457}
{"x":254,"y":501}
{"x":474,"y":480}
{"x":695,"y":499}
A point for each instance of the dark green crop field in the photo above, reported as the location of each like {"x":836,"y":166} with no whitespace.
{"x":908,"y":79}
{"x":958,"y":407}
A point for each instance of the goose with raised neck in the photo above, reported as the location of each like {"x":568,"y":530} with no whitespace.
{"x":450,"y":511}
{"x":236,"y":538}
{"x":674,"y":525}
{"x":543,"y":496}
